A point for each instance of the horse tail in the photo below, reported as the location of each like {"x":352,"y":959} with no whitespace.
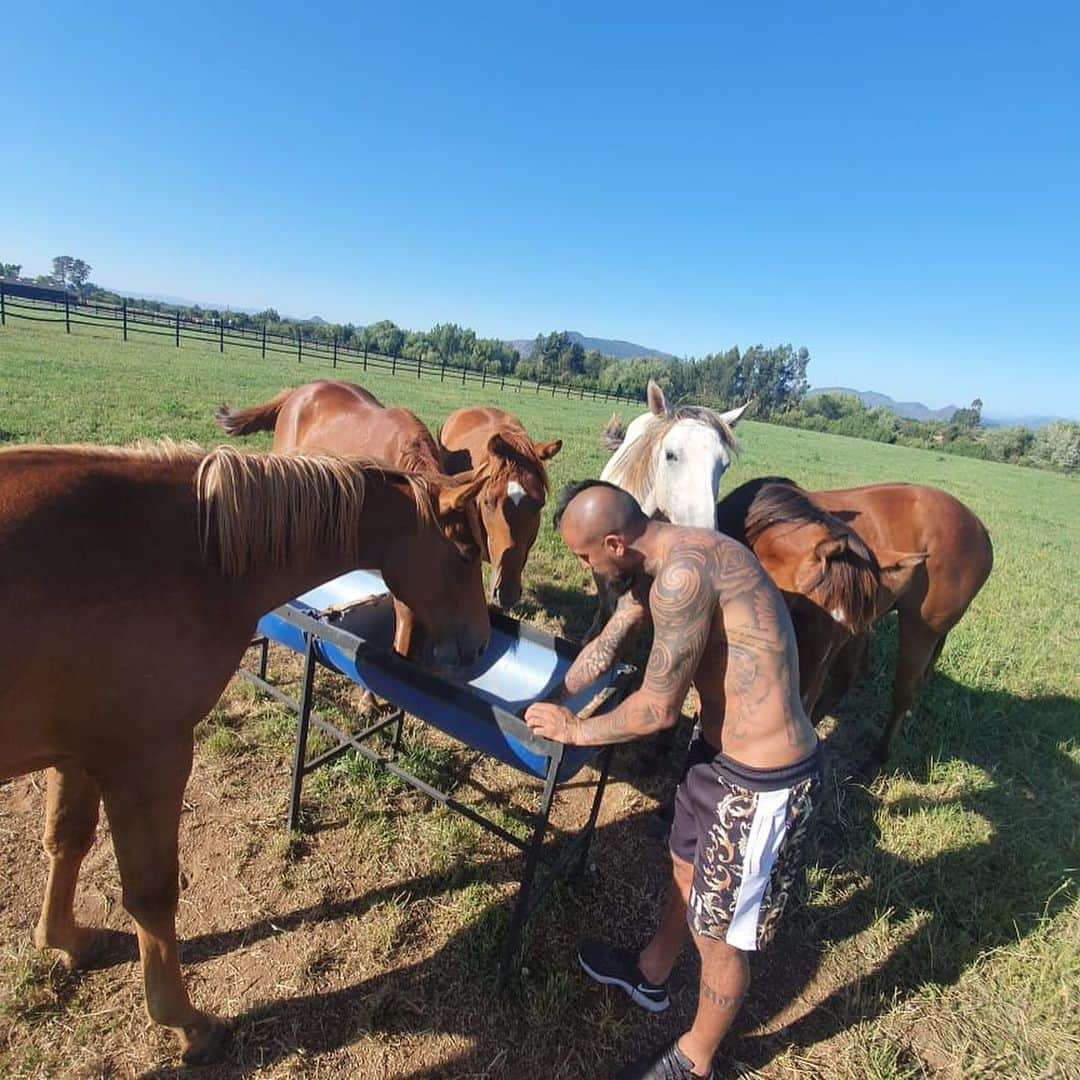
{"x":254,"y":418}
{"x":613,"y":434}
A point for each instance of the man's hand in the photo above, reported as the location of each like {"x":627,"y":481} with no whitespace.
{"x":552,"y":721}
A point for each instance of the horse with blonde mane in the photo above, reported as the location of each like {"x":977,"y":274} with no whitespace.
{"x":327,"y":416}
{"x":130,"y":584}
{"x":487,"y":438}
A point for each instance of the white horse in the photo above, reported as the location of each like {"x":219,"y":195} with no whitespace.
{"x":671,"y":461}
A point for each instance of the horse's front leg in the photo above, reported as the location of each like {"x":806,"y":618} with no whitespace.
{"x":72,"y":799}
{"x":143,"y":805}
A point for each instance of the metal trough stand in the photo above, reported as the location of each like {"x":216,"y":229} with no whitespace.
{"x":471,"y":713}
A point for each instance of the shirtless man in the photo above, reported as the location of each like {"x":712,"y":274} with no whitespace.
{"x":753,"y":770}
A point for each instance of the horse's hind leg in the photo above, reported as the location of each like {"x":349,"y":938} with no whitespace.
{"x":143,"y":804}
{"x":920,"y":646}
{"x":72,"y":799}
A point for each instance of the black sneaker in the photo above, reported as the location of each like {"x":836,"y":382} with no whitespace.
{"x":613,"y":966}
{"x":668,"y":1064}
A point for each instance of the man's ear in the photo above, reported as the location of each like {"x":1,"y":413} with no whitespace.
{"x":614,"y":544}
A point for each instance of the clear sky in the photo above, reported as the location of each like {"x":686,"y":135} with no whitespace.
{"x":896,"y":186}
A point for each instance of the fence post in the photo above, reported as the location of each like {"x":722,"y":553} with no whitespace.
{"x":3,"y":313}
{"x":463,"y":374}
{"x":483,"y":379}
{"x":393,"y":364}
{"x":264,"y":341}
{"x":442,"y":374}
{"x":335,"y":352}
{"x":67,"y":313}
{"x":178,"y":328}
{"x":554,"y":387}
{"x":418,"y":367}
{"x":125,"y":320}
{"x":221,"y":334}
{"x":299,"y":345}
{"x":502,"y":384}
{"x":365,"y":357}
{"x":538,"y":388}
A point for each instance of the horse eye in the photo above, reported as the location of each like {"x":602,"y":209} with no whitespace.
{"x":671,"y":455}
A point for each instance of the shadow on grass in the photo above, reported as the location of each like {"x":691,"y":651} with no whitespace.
{"x":965,"y":892}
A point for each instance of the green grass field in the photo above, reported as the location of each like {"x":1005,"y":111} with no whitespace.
{"x":941,"y":930}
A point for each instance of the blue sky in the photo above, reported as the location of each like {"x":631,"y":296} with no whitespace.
{"x":893,"y":185}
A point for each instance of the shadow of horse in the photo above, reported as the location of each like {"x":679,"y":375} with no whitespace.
{"x":962,"y":898}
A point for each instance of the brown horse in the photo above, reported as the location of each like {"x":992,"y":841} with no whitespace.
{"x":828,"y":575}
{"x":483,"y":437}
{"x":929,"y":592}
{"x":934,"y":555}
{"x":130,"y":584}
{"x":341,"y":418}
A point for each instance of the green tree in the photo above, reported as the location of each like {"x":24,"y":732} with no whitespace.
{"x":10,"y":270}
{"x":1058,"y":444}
{"x":61,"y":267}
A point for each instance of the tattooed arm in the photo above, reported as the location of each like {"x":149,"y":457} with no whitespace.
{"x":599,"y":655}
{"x":682,"y":604}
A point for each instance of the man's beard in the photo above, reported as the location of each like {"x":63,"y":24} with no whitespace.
{"x":619,"y":582}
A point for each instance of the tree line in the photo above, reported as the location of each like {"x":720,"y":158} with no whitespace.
{"x":773,"y":378}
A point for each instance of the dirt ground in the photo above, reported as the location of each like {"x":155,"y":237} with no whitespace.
{"x":368,"y":945}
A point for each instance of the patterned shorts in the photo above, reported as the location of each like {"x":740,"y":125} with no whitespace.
{"x":744,"y":830}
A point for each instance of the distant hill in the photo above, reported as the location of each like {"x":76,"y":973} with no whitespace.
{"x":911,"y":410}
{"x":607,"y":346}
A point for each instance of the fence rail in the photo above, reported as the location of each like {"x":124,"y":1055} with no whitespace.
{"x":127,"y":320}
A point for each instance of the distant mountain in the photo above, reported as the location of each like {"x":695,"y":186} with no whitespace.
{"x":608,"y":346}
{"x":911,"y":410}
{"x":1032,"y":421}
{"x":178,"y":301}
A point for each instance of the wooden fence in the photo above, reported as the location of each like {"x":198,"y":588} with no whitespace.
{"x":179,"y":327}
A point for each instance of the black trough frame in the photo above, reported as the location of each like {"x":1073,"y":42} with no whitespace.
{"x":570,"y":859}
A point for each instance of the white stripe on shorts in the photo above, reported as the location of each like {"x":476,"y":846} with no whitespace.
{"x":762,"y":846}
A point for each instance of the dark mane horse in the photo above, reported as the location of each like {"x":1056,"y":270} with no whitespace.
{"x":828,"y":574}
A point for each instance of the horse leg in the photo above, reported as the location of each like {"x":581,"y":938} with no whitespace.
{"x":72,"y":799}
{"x":920,"y":645}
{"x":143,"y":804}
{"x":847,"y":668}
{"x":605,"y":608}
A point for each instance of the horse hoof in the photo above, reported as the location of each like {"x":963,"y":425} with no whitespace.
{"x":93,"y":949}
{"x":206,"y":1040}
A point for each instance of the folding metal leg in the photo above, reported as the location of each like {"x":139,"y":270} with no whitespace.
{"x":300,"y":756}
{"x":532,"y":857}
{"x":399,"y":725}
{"x":264,"y":651}
{"x":587,"y":833}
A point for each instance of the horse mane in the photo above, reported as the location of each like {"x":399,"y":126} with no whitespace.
{"x":636,"y":472}
{"x":848,"y":580}
{"x":259,"y":510}
{"x":522,"y":456}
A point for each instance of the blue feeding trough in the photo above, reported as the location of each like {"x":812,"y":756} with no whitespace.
{"x":347,"y":624}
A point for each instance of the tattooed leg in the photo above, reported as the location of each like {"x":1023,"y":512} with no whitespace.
{"x":725,"y":977}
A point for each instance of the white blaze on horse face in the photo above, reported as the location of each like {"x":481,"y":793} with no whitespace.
{"x":515,"y":492}
{"x":692,"y":458}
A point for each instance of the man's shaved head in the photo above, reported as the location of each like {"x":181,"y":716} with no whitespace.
{"x":593,"y":509}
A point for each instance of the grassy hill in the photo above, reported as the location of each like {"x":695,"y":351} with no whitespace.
{"x":940,"y":934}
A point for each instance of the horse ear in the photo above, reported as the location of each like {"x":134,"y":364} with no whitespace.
{"x":456,"y":496}
{"x":655,"y":397}
{"x":830,"y":547}
{"x":733,"y":416}
{"x":497,"y":446}
{"x":894,"y":561}
{"x":545,"y":451}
